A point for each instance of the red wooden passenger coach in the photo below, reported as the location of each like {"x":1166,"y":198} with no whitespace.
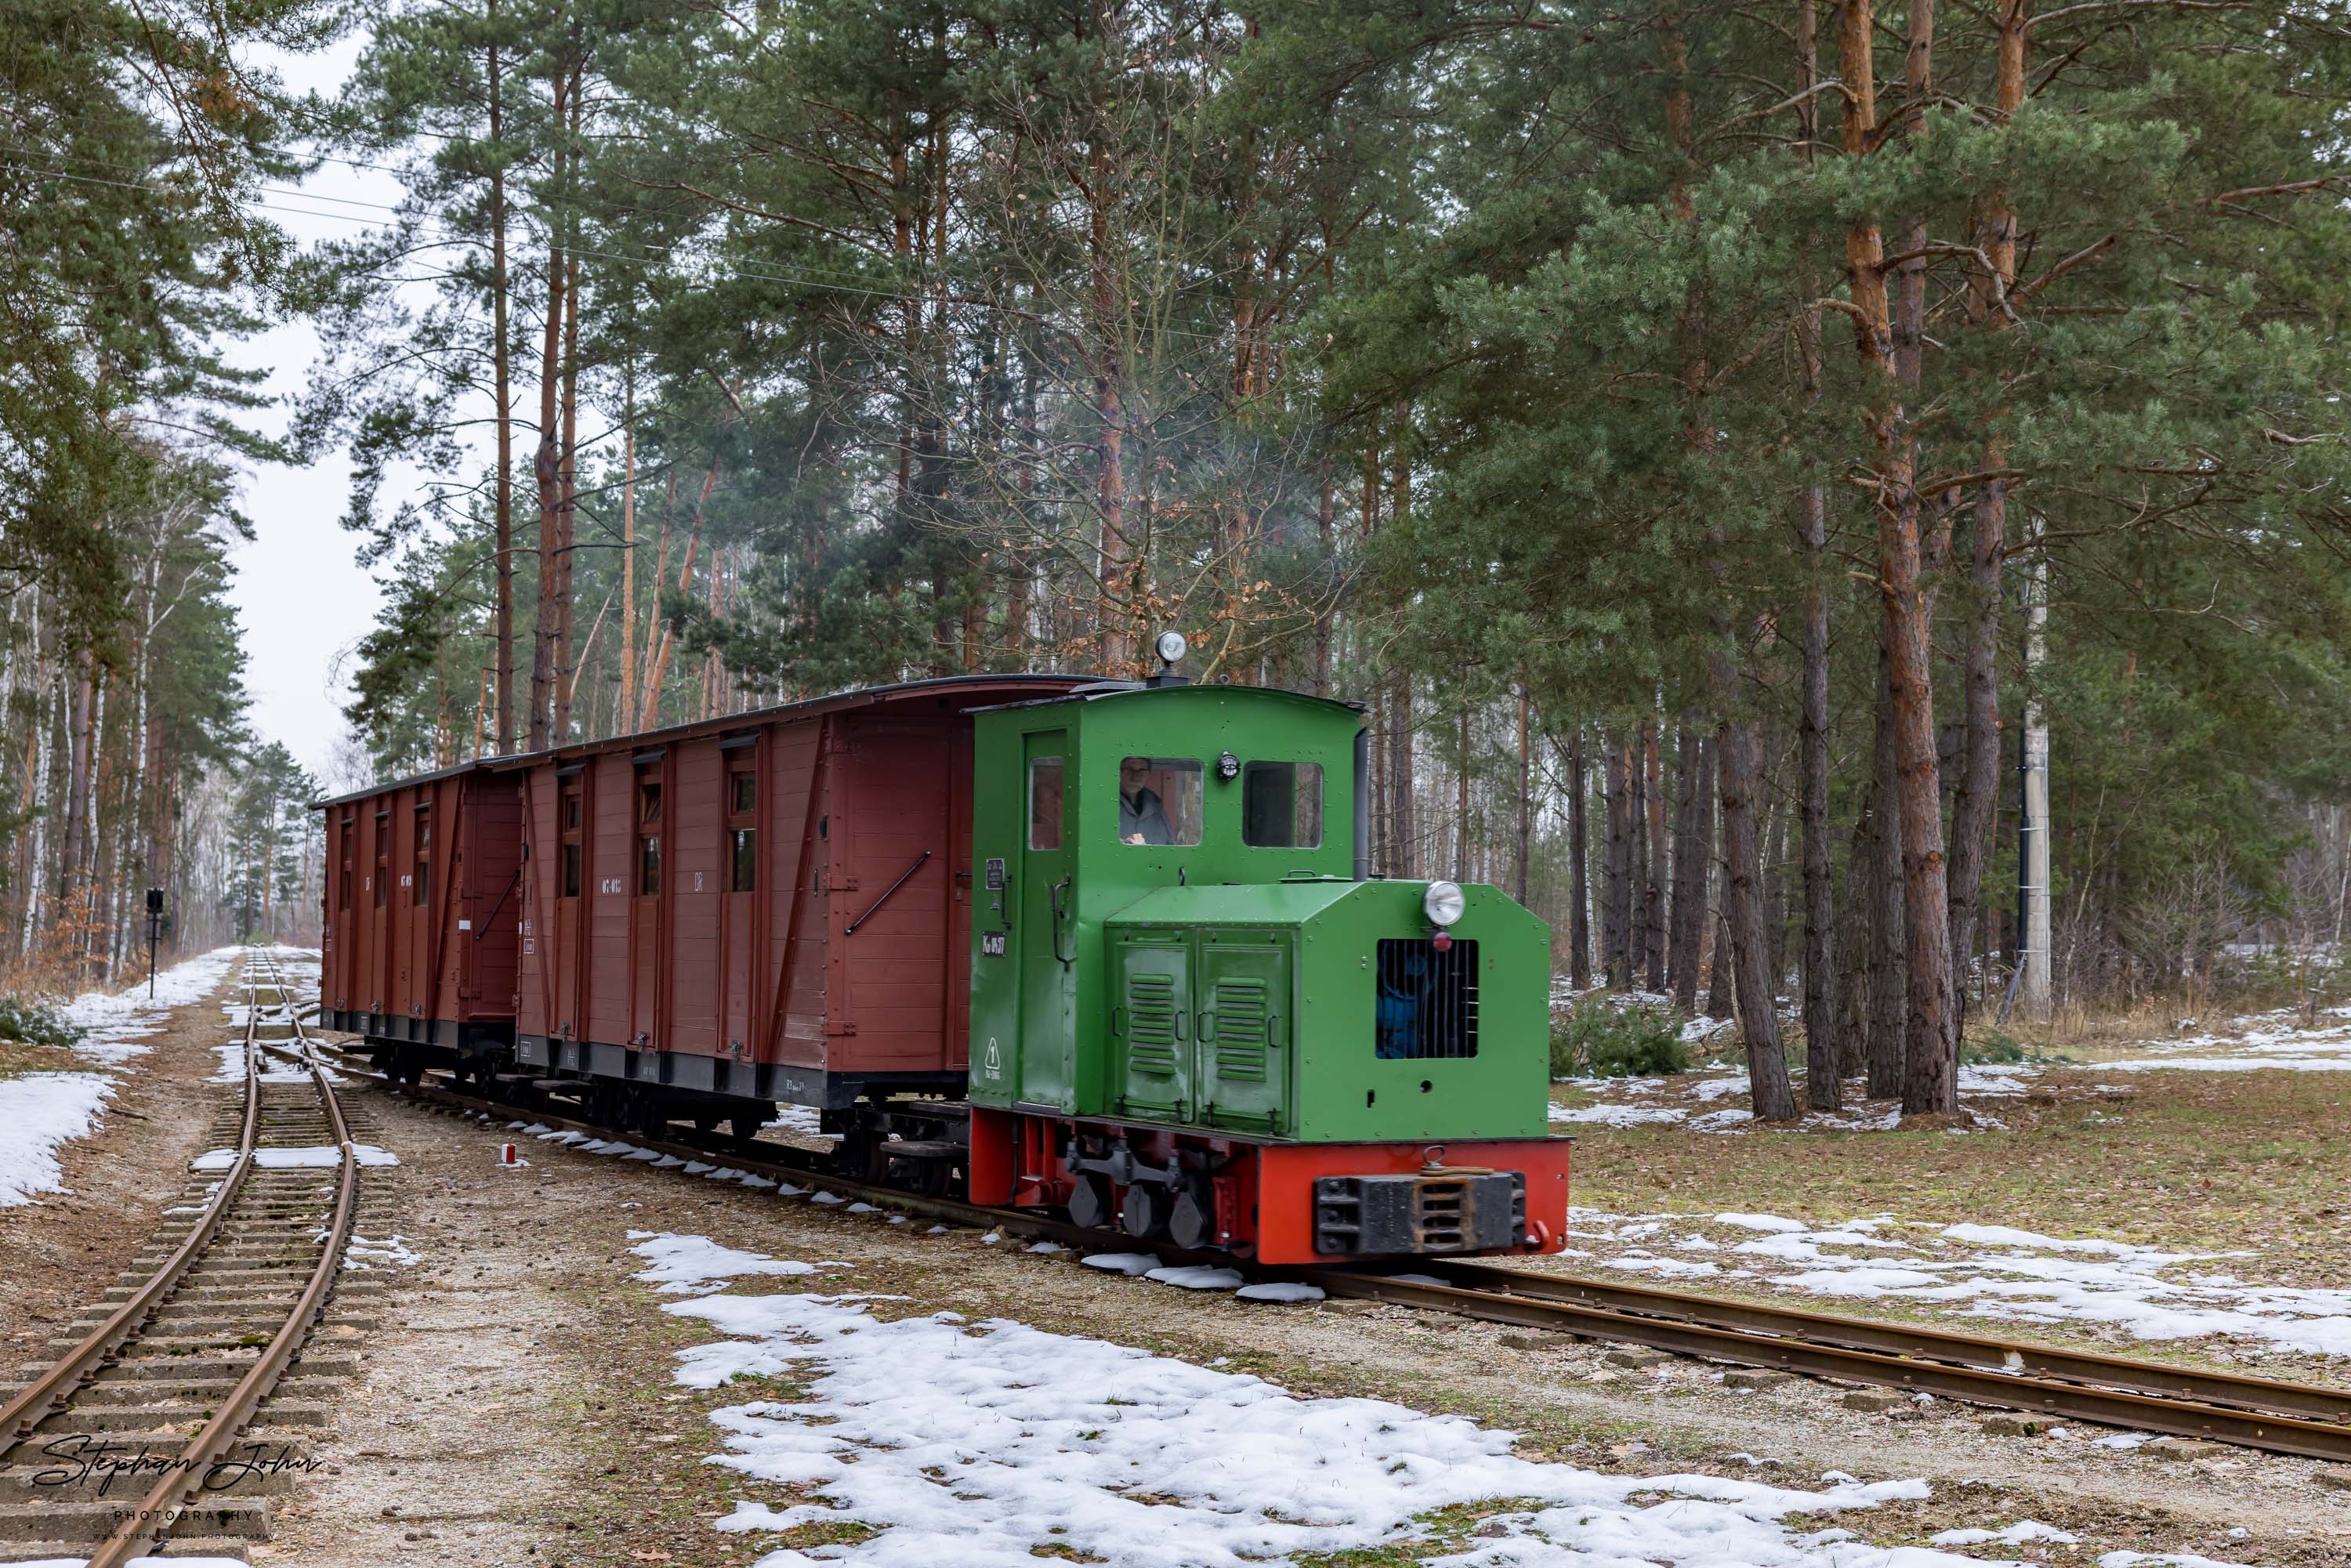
{"x":422,"y":891}
{"x":774,"y":906}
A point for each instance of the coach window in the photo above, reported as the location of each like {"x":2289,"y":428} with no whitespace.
{"x":350,"y":868}
{"x":423,"y":880}
{"x":1281,"y":805}
{"x":1159,"y":800}
{"x":383,"y":853}
{"x":742,"y":828}
{"x":574,"y":848}
{"x":649,"y":817}
{"x":1044,"y":802}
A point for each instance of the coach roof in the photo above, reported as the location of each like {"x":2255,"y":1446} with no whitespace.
{"x":943,"y":686}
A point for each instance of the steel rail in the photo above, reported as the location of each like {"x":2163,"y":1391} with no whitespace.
{"x":38,"y":1400}
{"x":166,"y":1502}
{"x":2005,"y":1357}
{"x":2043,"y":1395}
{"x":2245,"y":1412}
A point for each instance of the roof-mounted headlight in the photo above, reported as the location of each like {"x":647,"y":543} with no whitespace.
{"x":1443,"y":903}
{"x":1171,"y":647}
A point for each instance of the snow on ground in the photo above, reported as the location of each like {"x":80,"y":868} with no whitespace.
{"x":1620,"y":1101}
{"x":2272,"y":1041}
{"x":316,"y":1157}
{"x":976,"y":1443}
{"x":40,"y":1111}
{"x":1979,"y":1271}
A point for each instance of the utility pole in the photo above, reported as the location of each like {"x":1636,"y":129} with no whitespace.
{"x":2032,"y":768}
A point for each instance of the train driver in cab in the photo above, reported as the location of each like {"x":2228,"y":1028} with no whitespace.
{"x":1142,"y":817}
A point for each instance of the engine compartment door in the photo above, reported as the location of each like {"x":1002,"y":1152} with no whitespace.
{"x":1243,"y":1007}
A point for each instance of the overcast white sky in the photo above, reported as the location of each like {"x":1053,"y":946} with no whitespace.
{"x":302,"y":599}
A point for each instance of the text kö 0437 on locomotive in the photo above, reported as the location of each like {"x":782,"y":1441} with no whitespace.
{"x":1103,"y":946}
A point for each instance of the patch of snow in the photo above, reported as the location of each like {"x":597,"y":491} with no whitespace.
{"x":2016,"y":1534}
{"x":682,"y":1263}
{"x":1197,"y":1277}
{"x":38,"y":1112}
{"x":975,"y":1443}
{"x":1279,"y":1290}
{"x":315,"y":1158}
{"x":1988,"y":1271}
{"x":364,"y":1253}
{"x":1128,"y":1263}
{"x":1618,"y":1115}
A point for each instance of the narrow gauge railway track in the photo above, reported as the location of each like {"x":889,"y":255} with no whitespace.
{"x":143,"y":1427}
{"x":2299,"y":1419}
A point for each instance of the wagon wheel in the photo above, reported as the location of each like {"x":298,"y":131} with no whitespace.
{"x":933,"y":1178}
{"x":864,"y":1156}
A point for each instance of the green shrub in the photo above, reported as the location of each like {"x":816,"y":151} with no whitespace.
{"x":1993,"y":1046}
{"x":1600,"y":1039}
{"x":34,"y":1023}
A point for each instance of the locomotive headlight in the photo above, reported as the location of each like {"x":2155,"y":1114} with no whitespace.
{"x":1171,"y":647}
{"x":1443,"y":903}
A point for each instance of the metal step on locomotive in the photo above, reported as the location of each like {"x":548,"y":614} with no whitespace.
{"x":1050,"y":942}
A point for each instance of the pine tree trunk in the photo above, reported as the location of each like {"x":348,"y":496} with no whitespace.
{"x":1579,"y":911}
{"x":1617,"y":878}
{"x":1636,"y":857}
{"x":1115,"y":640}
{"x":547,"y":467}
{"x":1740,"y":773}
{"x":1652,"y":897}
{"x":1526,"y":802}
{"x":73,"y":847}
{"x":1689,"y":914}
{"x":567,"y":666}
{"x":1888,"y":968}
{"x":624,"y":705}
{"x":1461,"y":804}
{"x":1853,"y":941}
{"x":1402,"y":841}
{"x":1824,"y":1045}
{"x":503,"y":395}
{"x":1976,"y":802}
{"x":1930,"y":1070}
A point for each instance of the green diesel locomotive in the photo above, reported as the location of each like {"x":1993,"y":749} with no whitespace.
{"x":1195,"y":1015}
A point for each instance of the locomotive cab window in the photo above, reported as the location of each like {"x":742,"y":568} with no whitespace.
{"x":1045,"y":803}
{"x":742,"y":831}
{"x":1281,"y":805}
{"x":1159,"y":800}
{"x":1426,"y":1004}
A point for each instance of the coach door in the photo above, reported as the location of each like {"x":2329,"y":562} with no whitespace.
{"x":379,"y":913}
{"x":650,"y":812}
{"x":1048,"y":926}
{"x":570,"y":878}
{"x":740,"y":914}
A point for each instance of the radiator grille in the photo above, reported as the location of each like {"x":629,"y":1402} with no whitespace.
{"x":1427,"y":1005}
{"x":1150,"y":1027}
{"x":1242,"y":1029}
